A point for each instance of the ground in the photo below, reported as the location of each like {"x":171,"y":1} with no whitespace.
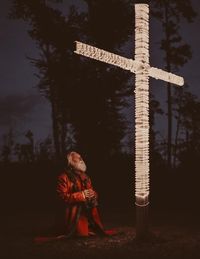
{"x":174,"y":235}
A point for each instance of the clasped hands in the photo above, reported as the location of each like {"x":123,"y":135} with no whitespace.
{"x":90,"y":194}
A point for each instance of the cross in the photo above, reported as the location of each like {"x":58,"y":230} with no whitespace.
{"x":142,"y":69}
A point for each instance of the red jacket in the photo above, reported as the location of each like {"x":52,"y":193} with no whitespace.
{"x":75,"y":201}
{"x":73,"y":219}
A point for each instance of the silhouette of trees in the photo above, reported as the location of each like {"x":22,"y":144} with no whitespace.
{"x":15,"y":149}
{"x":85,"y":96}
{"x":44,"y":150}
{"x":7,"y":148}
{"x":25,"y":152}
{"x":54,"y":38}
{"x":177,"y":52}
{"x":155,"y":155}
{"x":188,"y":144}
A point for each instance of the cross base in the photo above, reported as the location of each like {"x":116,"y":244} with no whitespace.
{"x":142,"y":222}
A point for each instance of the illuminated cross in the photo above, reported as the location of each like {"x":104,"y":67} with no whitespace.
{"x":140,"y":66}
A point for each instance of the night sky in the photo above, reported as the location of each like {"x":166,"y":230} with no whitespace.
{"x":21,"y":105}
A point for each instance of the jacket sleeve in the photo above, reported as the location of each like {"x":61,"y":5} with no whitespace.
{"x":65,"y":194}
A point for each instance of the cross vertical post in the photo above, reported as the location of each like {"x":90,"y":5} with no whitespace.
{"x":142,"y":119}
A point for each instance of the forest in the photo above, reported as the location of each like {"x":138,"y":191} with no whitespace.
{"x":92,"y":109}
{"x":92,"y":104}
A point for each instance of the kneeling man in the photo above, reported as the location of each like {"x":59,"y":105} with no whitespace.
{"x":79,"y":200}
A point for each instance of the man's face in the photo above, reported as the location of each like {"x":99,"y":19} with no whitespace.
{"x":77,"y":162}
{"x":76,"y":158}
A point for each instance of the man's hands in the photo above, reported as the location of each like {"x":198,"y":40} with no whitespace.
{"x":90,"y":194}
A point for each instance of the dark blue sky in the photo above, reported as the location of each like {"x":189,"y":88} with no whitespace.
{"x":21,"y":105}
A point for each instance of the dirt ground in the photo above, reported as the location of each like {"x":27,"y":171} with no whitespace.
{"x":174,"y":235}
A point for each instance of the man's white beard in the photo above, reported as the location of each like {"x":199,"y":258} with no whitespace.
{"x":80,"y":166}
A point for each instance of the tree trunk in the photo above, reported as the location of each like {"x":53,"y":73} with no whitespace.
{"x":176,"y":140}
{"x":169,"y":101}
{"x":177,"y":130}
{"x":169,"y":138}
{"x":56,"y":130}
{"x":54,"y":109}
{"x":63,"y":137}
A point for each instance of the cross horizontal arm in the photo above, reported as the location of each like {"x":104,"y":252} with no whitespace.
{"x":166,"y":76}
{"x":107,"y":57}
{"x":126,"y":63}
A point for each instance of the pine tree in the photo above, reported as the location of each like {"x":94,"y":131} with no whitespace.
{"x":177,"y":52}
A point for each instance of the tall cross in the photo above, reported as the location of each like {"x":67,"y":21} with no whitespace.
{"x":140,"y":66}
